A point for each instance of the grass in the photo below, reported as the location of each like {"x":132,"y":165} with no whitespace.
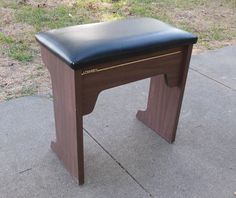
{"x":17,"y":50}
{"x":46,"y":18}
{"x":5,"y":39}
{"x":9,"y":4}
{"x":20,"y":51}
{"x":213,"y":21}
{"x":28,"y":90}
{"x":43,"y":18}
{"x":25,"y":90}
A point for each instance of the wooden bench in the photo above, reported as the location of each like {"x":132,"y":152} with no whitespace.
{"x":86,"y":59}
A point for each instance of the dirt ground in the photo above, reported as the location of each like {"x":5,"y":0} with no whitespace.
{"x":20,"y":78}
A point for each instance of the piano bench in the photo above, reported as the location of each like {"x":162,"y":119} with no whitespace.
{"x":84,"y":60}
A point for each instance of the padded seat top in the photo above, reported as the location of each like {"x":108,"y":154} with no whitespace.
{"x":84,"y":45}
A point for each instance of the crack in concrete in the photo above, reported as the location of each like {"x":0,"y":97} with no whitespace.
{"x":119,"y":164}
{"x":28,"y":169}
{"x":212,"y":79}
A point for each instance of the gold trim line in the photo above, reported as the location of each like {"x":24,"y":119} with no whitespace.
{"x":86,"y":72}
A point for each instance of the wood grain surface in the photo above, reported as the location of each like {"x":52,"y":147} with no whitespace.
{"x":75,"y":93}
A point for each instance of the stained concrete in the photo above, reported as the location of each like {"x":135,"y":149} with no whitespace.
{"x":124,"y":158}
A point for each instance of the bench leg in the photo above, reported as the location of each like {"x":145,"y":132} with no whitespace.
{"x":68,"y":115}
{"x":164,"y":103}
{"x":69,"y":122}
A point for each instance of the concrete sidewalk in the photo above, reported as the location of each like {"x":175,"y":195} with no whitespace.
{"x":123,"y":158}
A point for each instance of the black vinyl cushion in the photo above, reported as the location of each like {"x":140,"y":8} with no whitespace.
{"x":83,"y":45}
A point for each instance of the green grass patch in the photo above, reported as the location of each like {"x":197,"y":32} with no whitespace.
{"x":189,"y":4}
{"x":5,"y":39}
{"x":97,"y":10}
{"x":17,"y":50}
{"x":217,"y":33}
{"x":20,"y":51}
{"x":49,"y":18}
{"x":9,"y":4}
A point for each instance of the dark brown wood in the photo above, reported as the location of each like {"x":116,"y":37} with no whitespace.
{"x":164,"y":103}
{"x":98,"y":81}
{"x":68,"y":114}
